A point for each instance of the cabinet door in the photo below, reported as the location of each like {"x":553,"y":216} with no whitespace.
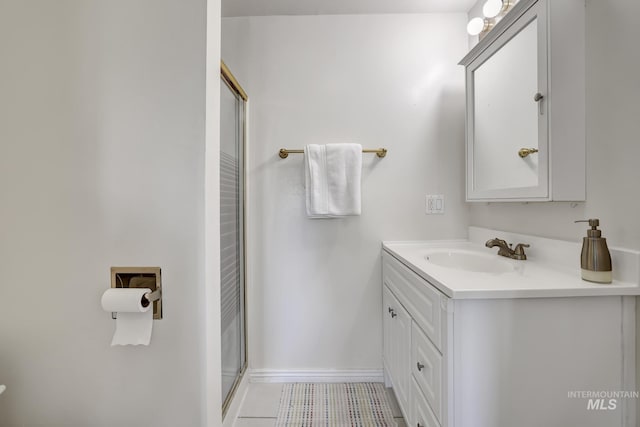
{"x":419,"y":297}
{"x":507,"y":112}
{"x":387,"y":307}
{"x":426,"y":365}
{"x":397,"y":347}
{"x":421,"y":414}
{"x":401,"y":330}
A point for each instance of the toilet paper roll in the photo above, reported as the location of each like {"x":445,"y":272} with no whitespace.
{"x":125,"y":300}
{"x":134,"y":322}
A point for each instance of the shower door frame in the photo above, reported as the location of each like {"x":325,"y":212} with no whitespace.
{"x":234,"y":86}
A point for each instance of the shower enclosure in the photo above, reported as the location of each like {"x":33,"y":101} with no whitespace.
{"x":232,"y":245}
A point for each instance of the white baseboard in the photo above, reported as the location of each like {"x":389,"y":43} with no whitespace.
{"x":316,"y":376}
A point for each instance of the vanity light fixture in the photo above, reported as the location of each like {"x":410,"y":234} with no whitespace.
{"x":493,"y":11}
{"x":478,"y":25}
{"x":494,"y":8}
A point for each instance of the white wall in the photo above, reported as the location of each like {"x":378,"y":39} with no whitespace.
{"x":211,"y":392}
{"x":102,"y":138}
{"x":379,"y":80}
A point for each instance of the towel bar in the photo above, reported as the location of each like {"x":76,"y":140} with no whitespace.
{"x":380,"y":152}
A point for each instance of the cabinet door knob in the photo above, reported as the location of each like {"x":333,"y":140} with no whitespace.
{"x":420,"y":366}
{"x":393,"y":313}
{"x":390,"y":309}
{"x":419,"y":425}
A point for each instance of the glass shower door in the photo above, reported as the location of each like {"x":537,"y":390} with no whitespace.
{"x":232,"y":271}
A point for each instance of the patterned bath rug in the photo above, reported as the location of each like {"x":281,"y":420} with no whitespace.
{"x":334,"y":405}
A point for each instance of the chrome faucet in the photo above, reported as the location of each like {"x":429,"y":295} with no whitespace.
{"x":505,"y":249}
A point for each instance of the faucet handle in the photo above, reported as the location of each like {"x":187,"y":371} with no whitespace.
{"x":519,"y":250}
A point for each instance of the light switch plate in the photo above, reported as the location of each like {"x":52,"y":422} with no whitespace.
{"x":435,"y":204}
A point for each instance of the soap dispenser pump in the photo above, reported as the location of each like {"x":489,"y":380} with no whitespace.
{"x":595,"y":259}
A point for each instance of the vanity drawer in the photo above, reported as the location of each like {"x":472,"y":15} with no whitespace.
{"x":421,"y":300}
{"x":421,"y":414}
{"x":426,"y":366}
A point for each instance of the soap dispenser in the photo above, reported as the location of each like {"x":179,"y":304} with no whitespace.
{"x":595,"y":259}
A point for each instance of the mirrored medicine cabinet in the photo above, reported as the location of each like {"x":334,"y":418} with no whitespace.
{"x":525,"y":105}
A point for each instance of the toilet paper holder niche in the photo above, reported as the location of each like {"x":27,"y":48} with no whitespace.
{"x":140,"y":277}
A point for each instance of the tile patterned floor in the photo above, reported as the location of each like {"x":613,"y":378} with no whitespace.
{"x":260,"y":406}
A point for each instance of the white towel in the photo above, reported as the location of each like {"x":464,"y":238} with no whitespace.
{"x":332,"y":178}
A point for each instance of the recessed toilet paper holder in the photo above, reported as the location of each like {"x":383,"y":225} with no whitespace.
{"x":140,"y":277}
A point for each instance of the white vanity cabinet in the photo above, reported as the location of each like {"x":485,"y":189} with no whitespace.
{"x":413,"y":360}
{"x":397,"y":329}
{"x":525,"y":90}
{"x":504,"y":362}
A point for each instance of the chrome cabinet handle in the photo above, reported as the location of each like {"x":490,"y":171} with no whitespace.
{"x":420,"y":366}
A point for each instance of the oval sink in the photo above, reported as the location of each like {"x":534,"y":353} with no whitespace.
{"x":469,"y":261}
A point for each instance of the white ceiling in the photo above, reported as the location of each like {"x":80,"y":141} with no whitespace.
{"x":340,"y":7}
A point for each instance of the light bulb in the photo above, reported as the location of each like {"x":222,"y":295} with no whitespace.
{"x":492,"y":8}
{"x":475,"y":26}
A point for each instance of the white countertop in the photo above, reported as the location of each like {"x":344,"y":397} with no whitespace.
{"x":536,"y":277}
